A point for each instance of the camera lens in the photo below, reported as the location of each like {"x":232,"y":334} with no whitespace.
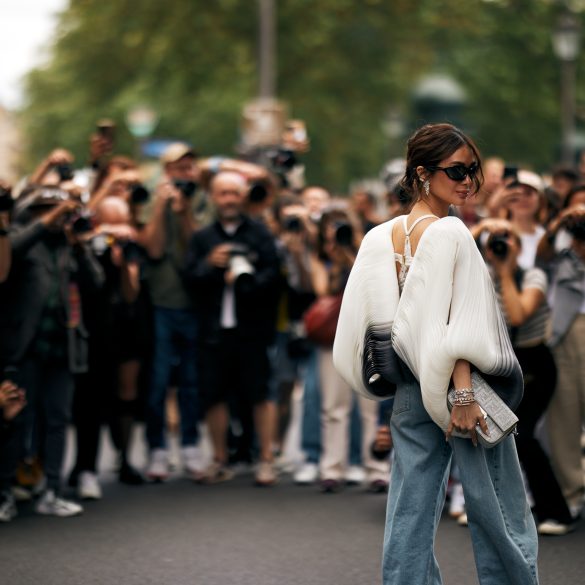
{"x":257,"y":193}
{"x":65,"y":172}
{"x":498,"y":244}
{"x":82,"y":223}
{"x":343,"y":233}
{"x":292,"y":224}
{"x":188,"y":188}
{"x":576,"y":227}
{"x":6,"y":201}
{"x":138,"y":193}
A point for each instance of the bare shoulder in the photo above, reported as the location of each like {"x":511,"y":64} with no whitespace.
{"x":419,"y":229}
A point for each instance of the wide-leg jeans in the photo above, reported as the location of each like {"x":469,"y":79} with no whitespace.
{"x":501,"y":524}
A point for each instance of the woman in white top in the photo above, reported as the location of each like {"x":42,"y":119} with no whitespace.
{"x":521,"y":202}
{"x":417,"y":329}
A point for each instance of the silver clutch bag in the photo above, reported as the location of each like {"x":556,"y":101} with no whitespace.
{"x":501,"y":420}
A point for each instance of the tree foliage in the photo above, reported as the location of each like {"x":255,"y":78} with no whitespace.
{"x":342,"y":66}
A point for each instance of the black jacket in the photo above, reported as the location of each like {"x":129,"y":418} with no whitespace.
{"x":256,"y":297}
{"x":24,"y":295}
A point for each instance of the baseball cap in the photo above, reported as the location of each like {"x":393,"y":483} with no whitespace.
{"x":531,"y":179}
{"x":175,"y":152}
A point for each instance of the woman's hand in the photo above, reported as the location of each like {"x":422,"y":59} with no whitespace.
{"x":464,"y":419}
{"x":12,"y":399}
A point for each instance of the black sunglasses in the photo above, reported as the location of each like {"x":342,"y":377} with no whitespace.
{"x":457,"y":172}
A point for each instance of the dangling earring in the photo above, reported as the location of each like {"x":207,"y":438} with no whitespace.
{"x":427,"y":187}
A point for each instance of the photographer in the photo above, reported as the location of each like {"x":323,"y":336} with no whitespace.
{"x":232,"y":268}
{"x":42,"y":310}
{"x":165,"y":238}
{"x":565,"y":415}
{"x":54,"y":169}
{"x":121,"y":176}
{"x":522,"y":295}
{"x":520,"y":199}
{"x":5,"y":249}
{"x":339,"y":240}
{"x":291,"y":352}
{"x":116,"y":325}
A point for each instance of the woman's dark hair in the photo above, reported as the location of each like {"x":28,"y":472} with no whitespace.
{"x":430,"y":145}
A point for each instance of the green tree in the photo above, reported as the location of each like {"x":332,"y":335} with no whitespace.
{"x":343,"y":64}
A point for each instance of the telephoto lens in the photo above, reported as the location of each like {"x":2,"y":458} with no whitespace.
{"x":498,"y":244}
{"x":139,"y":193}
{"x":82,"y":223}
{"x":6,"y":201}
{"x":576,"y":227}
{"x":343,"y":233}
{"x":292,"y":224}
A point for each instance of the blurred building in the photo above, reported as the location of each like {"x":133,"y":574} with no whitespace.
{"x":10,"y":146}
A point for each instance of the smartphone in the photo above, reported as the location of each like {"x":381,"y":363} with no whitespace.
{"x":107,"y":129}
{"x":510,"y":173}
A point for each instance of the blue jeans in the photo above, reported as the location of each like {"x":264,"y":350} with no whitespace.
{"x":175,"y":341}
{"x":501,"y":524}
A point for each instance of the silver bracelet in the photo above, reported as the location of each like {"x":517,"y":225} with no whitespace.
{"x":464,"y":396}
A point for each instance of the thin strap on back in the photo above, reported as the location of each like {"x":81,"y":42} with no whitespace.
{"x":405,"y":260}
{"x":416,"y":221}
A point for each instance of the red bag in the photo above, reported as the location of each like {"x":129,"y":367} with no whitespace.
{"x":321,"y":318}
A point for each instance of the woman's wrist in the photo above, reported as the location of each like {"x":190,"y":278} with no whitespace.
{"x":464,"y":396}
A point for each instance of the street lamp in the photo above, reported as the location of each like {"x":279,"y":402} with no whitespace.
{"x":141,"y":121}
{"x":566,"y":40}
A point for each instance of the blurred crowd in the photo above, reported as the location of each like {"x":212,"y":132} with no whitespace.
{"x":199,"y":299}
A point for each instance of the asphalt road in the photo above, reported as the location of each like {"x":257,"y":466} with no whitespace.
{"x":180,"y":533}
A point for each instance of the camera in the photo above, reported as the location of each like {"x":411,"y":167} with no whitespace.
{"x":292,"y":224}
{"x":6,"y":201}
{"x":131,"y":251}
{"x":82,"y":222}
{"x":187,"y":188}
{"x":343,"y":233}
{"x":576,"y":227}
{"x":241,"y":261}
{"x":65,"y":172}
{"x":138,"y":193}
{"x":498,"y":244}
{"x":258,"y":192}
{"x":282,"y":159}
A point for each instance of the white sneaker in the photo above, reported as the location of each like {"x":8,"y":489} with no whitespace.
{"x":265,"y":473}
{"x":457,"y":503}
{"x":88,"y":487}
{"x":553,"y":528}
{"x":193,"y":464}
{"x":158,"y":469}
{"x":7,"y":507}
{"x":306,"y":474}
{"x":355,"y":475}
{"x":52,"y":505}
{"x":462,"y":520}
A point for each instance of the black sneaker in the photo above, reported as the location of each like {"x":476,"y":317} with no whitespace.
{"x":130,"y":476}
